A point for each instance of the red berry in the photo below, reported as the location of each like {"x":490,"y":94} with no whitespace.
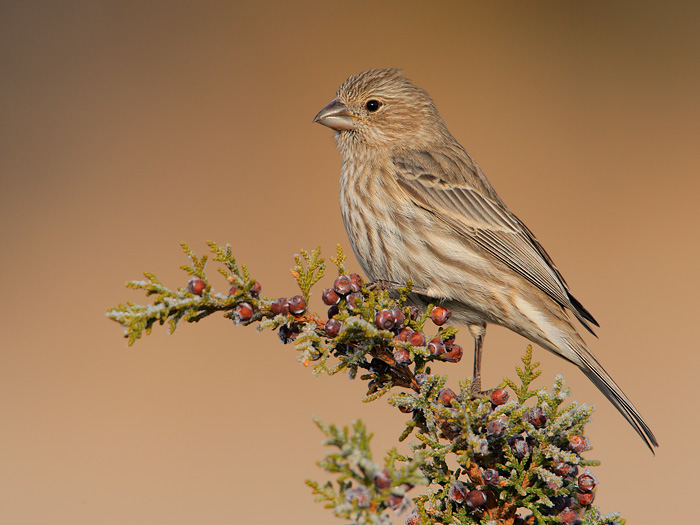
{"x":394,"y":501}
{"x":413,"y":313}
{"x":578,"y":444}
{"x":440,"y":315}
{"x":356,"y":282}
{"x":536,"y":417}
{"x":399,"y":316}
{"x":384,"y":320}
{"x":244,"y":312}
{"x":233,"y":290}
{"x":297,"y":305}
{"x":332,"y":327}
{"x":405,"y":410}
{"x":404,"y":334}
{"x":436,"y":347}
{"x":446,"y":395}
{"x":196,"y":286}
{"x":475,"y":498}
{"x":417,"y":339}
{"x":255,"y":289}
{"x":491,"y":477}
{"x":562,"y":469}
{"x":359,"y":495}
{"x":585,"y":498}
{"x":330,"y":297}
{"x":586,"y":482}
{"x":457,"y":492}
{"x":402,"y":356}
{"x":495,"y":428}
{"x":280,"y":306}
{"x":413,"y":518}
{"x":569,"y":517}
{"x":382,"y":480}
{"x":354,"y":301}
{"x":499,"y":396}
{"x":454,"y":354}
{"x":343,"y":285}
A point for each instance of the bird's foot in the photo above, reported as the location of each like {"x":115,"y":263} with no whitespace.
{"x":476,"y":392}
{"x":380,"y":284}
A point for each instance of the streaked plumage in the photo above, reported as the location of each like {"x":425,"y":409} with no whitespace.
{"x":416,"y":206}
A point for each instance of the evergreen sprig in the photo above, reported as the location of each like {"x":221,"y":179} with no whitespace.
{"x":481,"y":460}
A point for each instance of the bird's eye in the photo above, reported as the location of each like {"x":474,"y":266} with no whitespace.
{"x":373,"y":105}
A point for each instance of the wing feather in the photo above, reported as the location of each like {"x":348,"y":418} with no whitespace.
{"x":485,"y":221}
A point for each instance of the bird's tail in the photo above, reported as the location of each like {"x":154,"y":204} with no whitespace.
{"x":600,"y":378}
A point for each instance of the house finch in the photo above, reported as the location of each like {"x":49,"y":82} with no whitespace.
{"x":416,"y":206}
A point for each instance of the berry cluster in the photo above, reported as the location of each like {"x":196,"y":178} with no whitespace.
{"x":508,"y":451}
{"x":516,"y":461}
{"x":368,"y":328}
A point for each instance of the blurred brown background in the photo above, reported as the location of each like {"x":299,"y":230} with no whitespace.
{"x":127,"y":127}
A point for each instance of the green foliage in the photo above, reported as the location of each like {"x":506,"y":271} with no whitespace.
{"x":522,"y":457}
{"x":308,"y":272}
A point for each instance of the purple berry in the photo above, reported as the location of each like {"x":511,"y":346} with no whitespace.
{"x":495,"y":428}
{"x":398,"y":315}
{"x":355,"y":282}
{"x":330,"y":297}
{"x":287,"y":334}
{"x":280,"y":306}
{"x":343,"y":285}
{"x":475,"y":498}
{"x":536,"y":417}
{"x":333,"y":311}
{"x":297,"y":305}
{"x":332,"y":327}
{"x":491,"y":477}
{"x":384,"y":320}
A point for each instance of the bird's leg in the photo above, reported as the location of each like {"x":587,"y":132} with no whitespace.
{"x":478,"y":331}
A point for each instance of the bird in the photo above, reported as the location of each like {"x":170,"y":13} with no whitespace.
{"x":417,"y":207}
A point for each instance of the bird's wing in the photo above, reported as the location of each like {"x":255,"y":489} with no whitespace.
{"x":486,"y":222}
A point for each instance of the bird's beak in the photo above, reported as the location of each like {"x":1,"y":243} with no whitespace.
{"x":335,"y":115}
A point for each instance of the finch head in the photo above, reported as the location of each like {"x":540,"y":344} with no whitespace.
{"x":382,"y":108}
